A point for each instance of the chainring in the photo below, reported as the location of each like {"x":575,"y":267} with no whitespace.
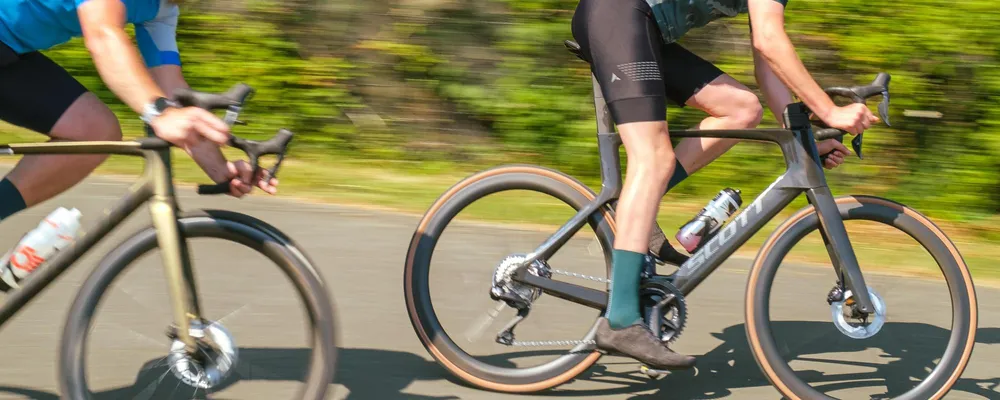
{"x":672,"y":318}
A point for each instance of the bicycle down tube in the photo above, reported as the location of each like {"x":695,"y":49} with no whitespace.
{"x":155,"y":186}
{"x":803,"y":174}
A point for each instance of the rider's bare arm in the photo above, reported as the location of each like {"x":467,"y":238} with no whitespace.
{"x":775,"y":92}
{"x":777,"y":68}
{"x":204,"y":152}
{"x":767,"y":21}
{"x":120,"y":66}
{"x":169,"y":77}
{"x":196,"y":131}
{"x":778,"y":98}
{"x":116,"y":58}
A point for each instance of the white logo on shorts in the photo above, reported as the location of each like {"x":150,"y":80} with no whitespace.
{"x":615,"y":78}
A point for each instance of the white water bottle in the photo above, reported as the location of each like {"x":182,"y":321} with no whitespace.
{"x":58,"y":230}
{"x":703,"y":226}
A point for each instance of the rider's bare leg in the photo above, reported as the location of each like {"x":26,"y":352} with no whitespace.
{"x":39,"y":178}
{"x":730,"y":105}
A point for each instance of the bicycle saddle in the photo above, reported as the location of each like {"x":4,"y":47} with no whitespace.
{"x":574,"y":48}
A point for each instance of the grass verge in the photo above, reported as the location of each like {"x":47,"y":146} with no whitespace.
{"x":406,"y":187}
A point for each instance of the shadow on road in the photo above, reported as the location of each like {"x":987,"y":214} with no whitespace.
{"x":908,"y":349}
{"x":20,"y":392}
{"x":365,"y":373}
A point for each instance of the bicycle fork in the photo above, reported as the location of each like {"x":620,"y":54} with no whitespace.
{"x":173,"y":247}
{"x":838,"y":245}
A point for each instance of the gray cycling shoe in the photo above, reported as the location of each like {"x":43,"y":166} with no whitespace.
{"x":638,"y":342}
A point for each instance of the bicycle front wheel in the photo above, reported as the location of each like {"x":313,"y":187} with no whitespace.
{"x":461,"y":249}
{"x":811,"y":344}
{"x":253,"y":346}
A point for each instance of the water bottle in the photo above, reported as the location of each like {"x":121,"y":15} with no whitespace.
{"x":704,"y":225}
{"x":58,"y":230}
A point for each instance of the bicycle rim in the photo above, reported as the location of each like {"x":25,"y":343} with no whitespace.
{"x":425,"y":319}
{"x":319,"y":363}
{"x":961,"y":330}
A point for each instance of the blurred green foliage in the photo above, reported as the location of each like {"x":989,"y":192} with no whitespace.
{"x":471,"y":84}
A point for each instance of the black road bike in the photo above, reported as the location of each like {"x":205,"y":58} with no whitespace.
{"x":200,"y":353}
{"x":859,"y":312}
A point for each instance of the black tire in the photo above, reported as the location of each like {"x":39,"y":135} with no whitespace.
{"x":917,"y":226}
{"x":239,"y":228}
{"x":416,"y":283}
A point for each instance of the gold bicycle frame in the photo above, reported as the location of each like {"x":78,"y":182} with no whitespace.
{"x":154,"y":186}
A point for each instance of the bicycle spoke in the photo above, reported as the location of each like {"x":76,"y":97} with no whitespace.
{"x":594,"y":248}
{"x":476,"y":330}
{"x":151,"y":388}
{"x":231,"y":313}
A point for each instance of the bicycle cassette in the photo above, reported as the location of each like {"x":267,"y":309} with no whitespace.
{"x":517,"y":295}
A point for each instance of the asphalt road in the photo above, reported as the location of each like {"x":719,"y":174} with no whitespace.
{"x":360,"y":253}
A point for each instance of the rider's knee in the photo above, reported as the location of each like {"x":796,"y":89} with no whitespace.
{"x":747,"y":109}
{"x":658,"y":161}
{"x":88,"y":119}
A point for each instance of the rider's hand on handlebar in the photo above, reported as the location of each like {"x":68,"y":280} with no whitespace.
{"x":853,"y":118}
{"x":835,"y":149}
{"x":183,"y":126}
{"x":241,"y":183}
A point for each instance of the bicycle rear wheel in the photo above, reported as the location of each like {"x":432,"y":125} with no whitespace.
{"x":943,"y":335}
{"x":477,"y":357}
{"x":85,"y":366}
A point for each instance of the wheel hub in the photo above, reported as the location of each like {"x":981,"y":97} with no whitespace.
{"x":218,"y":356}
{"x":517,"y":295}
{"x":853,"y":324}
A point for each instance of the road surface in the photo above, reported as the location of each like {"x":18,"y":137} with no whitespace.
{"x":360,"y":253}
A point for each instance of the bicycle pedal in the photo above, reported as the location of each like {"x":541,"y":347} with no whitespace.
{"x":653,"y":373}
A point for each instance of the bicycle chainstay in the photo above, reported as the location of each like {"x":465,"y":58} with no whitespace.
{"x":560,"y":343}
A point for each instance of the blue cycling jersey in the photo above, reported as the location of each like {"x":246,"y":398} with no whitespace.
{"x":33,"y":25}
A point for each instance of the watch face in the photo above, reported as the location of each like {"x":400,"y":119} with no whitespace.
{"x":161,"y":104}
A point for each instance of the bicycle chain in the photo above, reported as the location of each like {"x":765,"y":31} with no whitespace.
{"x":549,"y":343}
{"x":580,"y":276}
{"x":546,"y":343}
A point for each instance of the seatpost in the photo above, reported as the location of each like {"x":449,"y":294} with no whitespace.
{"x":608,"y":144}
{"x":604,"y":124}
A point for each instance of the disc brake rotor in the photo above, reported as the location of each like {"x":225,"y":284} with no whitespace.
{"x":218,"y":356}
{"x":847,"y":321}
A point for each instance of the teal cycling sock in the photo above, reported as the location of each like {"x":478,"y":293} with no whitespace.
{"x":680,"y":174}
{"x":11,"y":201}
{"x":623,"y":302}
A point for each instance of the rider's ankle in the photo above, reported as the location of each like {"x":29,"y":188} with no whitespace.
{"x":680,"y":174}
{"x":623,"y":301}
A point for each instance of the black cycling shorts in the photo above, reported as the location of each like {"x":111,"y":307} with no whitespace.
{"x":34,"y":90}
{"x":637,"y":71}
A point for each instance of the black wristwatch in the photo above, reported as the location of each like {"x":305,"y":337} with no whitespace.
{"x":157,"y":107}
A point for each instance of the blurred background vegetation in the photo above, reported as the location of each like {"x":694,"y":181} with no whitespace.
{"x":442,"y":88}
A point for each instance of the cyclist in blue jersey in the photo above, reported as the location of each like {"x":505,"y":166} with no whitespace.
{"x":632,"y":49}
{"x":38,"y":94}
